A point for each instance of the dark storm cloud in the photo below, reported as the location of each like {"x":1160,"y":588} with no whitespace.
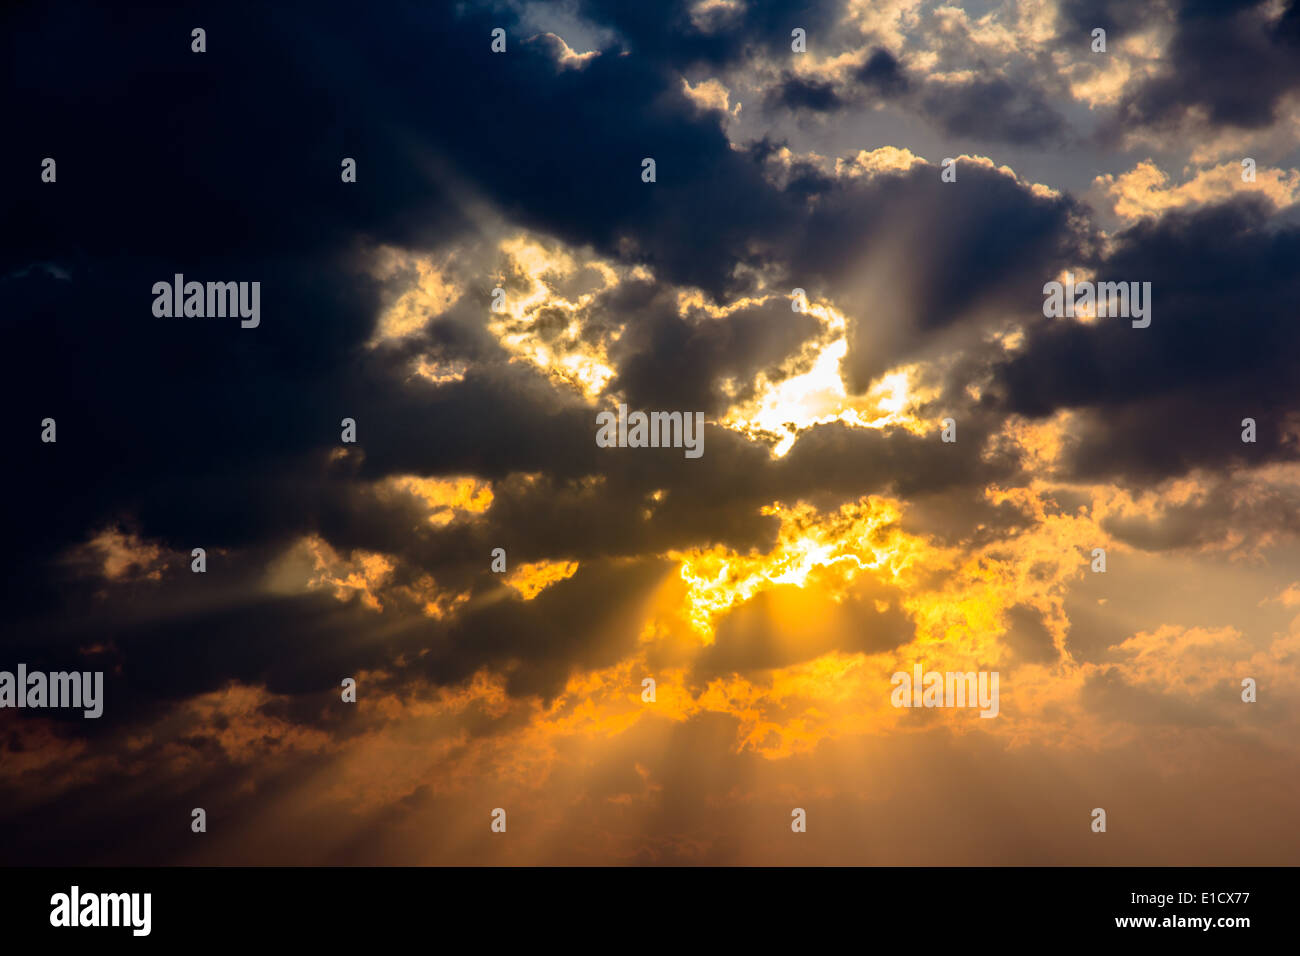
{"x":1078,"y":18}
{"x":591,"y":620}
{"x":225,"y":166}
{"x":669,"y":361}
{"x":881,"y":76}
{"x":883,"y":73}
{"x":801,"y":93}
{"x":714,"y":499}
{"x":989,"y":108}
{"x":667,"y":33}
{"x":850,"y":461}
{"x":909,"y":256}
{"x":994,"y":109}
{"x":1221,"y":347}
{"x":1222,"y":511}
{"x":1225,"y":59}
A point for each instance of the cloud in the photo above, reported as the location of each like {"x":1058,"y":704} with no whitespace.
{"x":1157,"y":397}
{"x":1145,"y":190}
{"x":826,"y":538}
{"x":1227,"y":64}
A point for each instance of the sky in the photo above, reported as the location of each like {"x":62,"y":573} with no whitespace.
{"x":502,"y":271}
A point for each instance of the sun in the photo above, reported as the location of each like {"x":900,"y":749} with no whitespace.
{"x":819,"y":549}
